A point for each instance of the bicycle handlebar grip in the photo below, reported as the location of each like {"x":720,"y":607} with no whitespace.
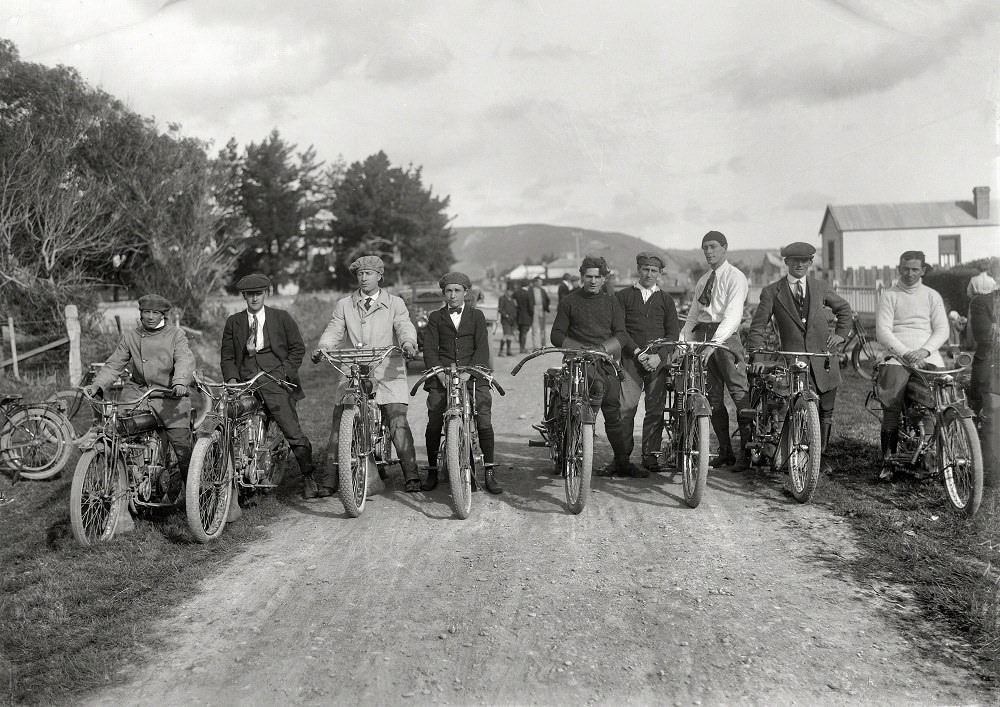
{"x":498,"y":387}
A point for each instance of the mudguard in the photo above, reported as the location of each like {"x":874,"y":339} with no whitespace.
{"x":961,"y":409}
{"x":698,"y":405}
{"x":806,"y":395}
{"x":209,"y":424}
{"x":586,"y":412}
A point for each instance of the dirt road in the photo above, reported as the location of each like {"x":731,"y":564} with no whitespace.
{"x":638,"y":600}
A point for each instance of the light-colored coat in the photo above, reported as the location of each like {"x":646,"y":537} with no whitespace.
{"x":386,"y":324}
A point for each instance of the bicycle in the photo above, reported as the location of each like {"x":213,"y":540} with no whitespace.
{"x":124,"y":467}
{"x":858,"y":350}
{"x":784,"y":419}
{"x":72,"y":400}
{"x":687,"y":414}
{"x":568,"y":425}
{"x":460,"y":443}
{"x":937,"y":436}
{"x":35,"y":438}
{"x":364,"y":443}
{"x":238,"y":447}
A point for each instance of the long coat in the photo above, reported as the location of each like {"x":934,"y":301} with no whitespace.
{"x":525,"y":300}
{"x":777,"y":301}
{"x":281,"y":333}
{"x":387,"y":323}
{"x":160,"y":358}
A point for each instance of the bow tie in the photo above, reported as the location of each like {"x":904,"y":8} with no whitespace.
{"x":454,"y":310}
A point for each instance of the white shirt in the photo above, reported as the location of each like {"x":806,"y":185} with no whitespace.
{"x":791,"y":285}
{"x":456,"y":317}
{"x":725,"y":308}
{"x":647,"y":293}
{"x":363,"y":298}
{"x":259,"y":341}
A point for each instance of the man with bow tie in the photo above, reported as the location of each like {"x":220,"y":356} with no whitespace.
{"x":371,"y":317}
{"x":797,"y":305}
{"x":715,"y":315}
{"x":267,"y":339}
{"x":457,"y":334}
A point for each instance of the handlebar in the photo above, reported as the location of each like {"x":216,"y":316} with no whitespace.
{"x":151,"y":394}
{"x":359,"y":356}
{"x":574,"y":354}
{"x":481,"y":372}
{"x":801,"y":354}
{"x":925,"y":371}
{"x":207,"y":385}
{"x":691,"y":346}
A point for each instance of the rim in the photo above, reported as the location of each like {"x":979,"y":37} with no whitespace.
{"x":689,"y":467}
{"x":798,"y":453}
{"x":100,"y":494}
{"x":36,"y":443}
{"x":573,"y":454}
{"x":359,"y":469}
{"x":213,"y":491}
{"x":956,"y":459}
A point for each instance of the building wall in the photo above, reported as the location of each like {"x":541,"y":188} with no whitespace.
{"x":867,"y":248}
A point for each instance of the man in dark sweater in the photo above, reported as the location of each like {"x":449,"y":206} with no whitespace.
{"x":589,"y":318}
{"x":649,"y":314}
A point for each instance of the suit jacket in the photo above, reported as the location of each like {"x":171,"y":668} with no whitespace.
{"x":387,"y":323}
{"x":469,"y":344}
{"x":281,"y":334}
{"x":983,"y":312}
{"x":525,"y":300}
{"x":777,"y":301}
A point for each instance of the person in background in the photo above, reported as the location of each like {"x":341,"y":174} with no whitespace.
{"x":650,"y":314}
{"x":507,"y":319}
{"x":540,"y":307}
{"x":984,"y":319}
{"x":715,"y":315}
{"x":982,"y":283}
{"x":525,"y":313}
{"x":371,"y":317}
{"x":457,"y":334}
{"x":565,"y":286}
{"x":911,"y":323}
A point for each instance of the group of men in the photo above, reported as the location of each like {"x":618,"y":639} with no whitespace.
{"x":806,"y":314}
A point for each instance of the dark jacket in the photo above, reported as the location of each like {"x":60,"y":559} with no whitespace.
{"x":507,"y":309}
{"x":777,"y":301}
{"x":525,"y":300}
{"x":281,"y":334}
{"x":465,"y":346}
{"x":984,"y":315}
{"x":645,"y":321}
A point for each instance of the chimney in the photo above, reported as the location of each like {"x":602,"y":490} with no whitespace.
{"x":981,"y":200}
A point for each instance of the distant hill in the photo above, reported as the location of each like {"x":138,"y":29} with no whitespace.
{"x":501,"y":248}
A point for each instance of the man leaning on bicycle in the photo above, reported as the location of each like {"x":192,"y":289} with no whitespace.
{"x":457,"y":334}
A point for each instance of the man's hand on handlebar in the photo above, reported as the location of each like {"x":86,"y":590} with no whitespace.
{"x":232,"y":381}
{"x":316,"y":356}
{"x":92,"y":390}
{"x":409,"y":349}
{"x":649,"y":361}
{"x":180,"y":390}
{"x":915,"y":357}
{"x":757,"y":367}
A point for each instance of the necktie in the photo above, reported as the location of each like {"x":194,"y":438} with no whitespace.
{"x":368,"y":304}
{"x":252,"y":339}
{"x":800,"y":300}
{"x":454,"y":310}
{"x":706,"y":294}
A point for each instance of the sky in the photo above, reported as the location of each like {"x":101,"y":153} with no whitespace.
{"x":656,"y":118}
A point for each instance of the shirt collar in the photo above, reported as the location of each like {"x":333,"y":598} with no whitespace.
{"x":793,"y":280}
{"x":654,"y":288}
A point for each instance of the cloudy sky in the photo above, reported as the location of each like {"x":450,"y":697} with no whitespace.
{"x":657,"y":118}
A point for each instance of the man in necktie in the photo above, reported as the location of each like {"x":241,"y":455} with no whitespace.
{"x":715,"y":315}
{"x":372,"y":317}
{"x":457,"y":334}
{"x":797,"y":305}
{"x":263,"y":338}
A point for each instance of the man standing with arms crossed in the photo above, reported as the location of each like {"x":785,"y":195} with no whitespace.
{"x":715,"y":316}
{"x":796,"y":303}
{"x":649,"y":314}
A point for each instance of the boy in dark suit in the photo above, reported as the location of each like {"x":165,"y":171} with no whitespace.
{"x":266,"y":339}
{"x":796,"y":303}
{"x":457,"y":334}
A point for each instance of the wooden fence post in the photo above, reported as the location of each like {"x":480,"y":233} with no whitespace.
{"x":73,"y":332}
{"x":13,"y":347}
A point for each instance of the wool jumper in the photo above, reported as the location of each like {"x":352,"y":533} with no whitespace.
{"x":644,"y":321}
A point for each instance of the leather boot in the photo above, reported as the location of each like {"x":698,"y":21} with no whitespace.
{"x":491,"y":480}
{"x":889,"y":438}
{"x":432,"y":479}
{"x":329,"y":484}
{"x":824,"y":438}
{"x":303,"y":456}
{"x":742,"y":457}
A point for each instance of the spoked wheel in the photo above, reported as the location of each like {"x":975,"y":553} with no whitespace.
{"x":578,"y":462}
{"x":962,"y":463}
{"x":271,"y":469}
{"x":803,"y":449}
{"x":694,"y":458}
{"x":353,"y":464}
{"x":37,"y":442}
{"x":209,"y":488}
{"x":865,"y":354}
{"x":459,"y":455}
{"x":97,"y":496}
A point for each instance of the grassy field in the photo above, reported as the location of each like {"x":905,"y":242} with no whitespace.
{"x":71,"y":617}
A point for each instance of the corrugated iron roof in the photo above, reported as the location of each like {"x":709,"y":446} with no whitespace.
{"x":929,"y":214}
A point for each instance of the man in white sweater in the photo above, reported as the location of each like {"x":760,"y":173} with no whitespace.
{"x":911,"y":322}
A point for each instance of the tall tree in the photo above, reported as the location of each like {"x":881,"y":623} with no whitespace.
{"x":385,"y":210}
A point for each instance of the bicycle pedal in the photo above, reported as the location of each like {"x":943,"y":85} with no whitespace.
{"x":538,"y":443}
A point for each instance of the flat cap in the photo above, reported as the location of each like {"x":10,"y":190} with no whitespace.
{"x":368,"y":262}
{"x":798,"y":250}
{"x":156,"y":303}
{"x":455,"y":278}
{"x":254,"y":281}
{"x":716,"y":236}
{"x":647,"y":258}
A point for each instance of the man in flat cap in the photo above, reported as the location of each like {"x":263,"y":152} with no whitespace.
{"x":715,"y":315}
{"x":590,"y":318}
{"x":796,"y":304}
{"x":371,"y":317}
{"x":156,"y":354}
{"x":650,"y":314}
{"x":262,"y":338}
{"x":457,"y":334}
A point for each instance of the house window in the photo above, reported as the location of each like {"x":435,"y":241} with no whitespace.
{"x":828,"y":256}
{"x":949,"y":251}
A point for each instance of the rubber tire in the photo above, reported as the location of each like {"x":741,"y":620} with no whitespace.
{"x":76,"y":409}
{"x":578,"y":464}
{"x":353,"y":471}
{"x":968,"y":504}
{"x":209,"y":488}
{"x":117,"y":489}
{"x":41,"y":423}
{"x":694,"y":459}
{"x":864,"y":355}
{"x":457,"y":451}
{"x":803,"y":479}
{"x":274,"y":440}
